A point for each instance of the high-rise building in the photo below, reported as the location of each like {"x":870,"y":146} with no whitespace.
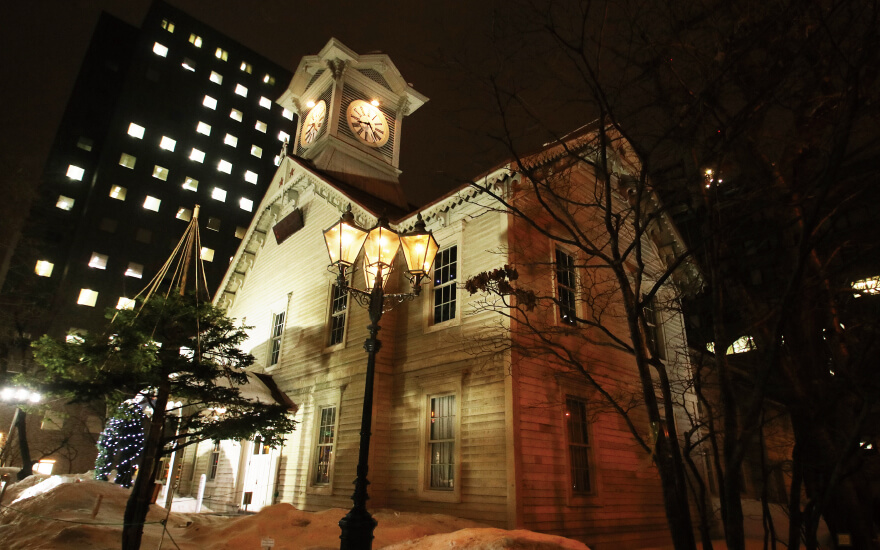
{"x":161,"y":119}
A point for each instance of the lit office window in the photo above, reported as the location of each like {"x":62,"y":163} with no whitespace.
{"x":250,"y":177}
{"x":256,"y":151}
{"x":117,"y":192}
{"x":287,"y":113}
{"x":44,"y":268}
{"x":98,"y":261}
{"x":230,"y":140}
{"x":241,"y":90}
{"x":167,"y":143}
{"x":235,"y":114}
{"x":221,"y":54}
{"x":125,"y":303}
{"x":246,"y":204}
{"x":191,"y":184}
{"x":240,"y":232}
{"x":207,"y":254}
{"x":188,"y":64}
{"x":160,"y":172}
{"x":246,"y":67}
{"x":75,"y":172}
{"x":209,"y":102}
{"x":269,"y":79}
{"x":168,"y":25}
{"x":196,"y":155}
{"x":160,"y":50}
{"x":218,"y":194}
{"x":283,"y":136}
{"x":224,"y":166}
{"x":195,"y":40}
{"x":127,"y":160}
{"x":216,"y":77}
{"x":184,"y":214}
{"x":87,"y":297}
{"x":152,"y":203}
{"x":265,"y":103}
{"x":260,"y":126}
{"x":135,"y":270}
{"x":136,"y":130}
{"x":204,"y":129}
{"x":64,"y":203}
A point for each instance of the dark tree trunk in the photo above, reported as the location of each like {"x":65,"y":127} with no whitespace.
{"x":27,"y":465}
{"x":138,"y":504}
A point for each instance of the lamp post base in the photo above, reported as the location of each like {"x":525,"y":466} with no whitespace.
{"x":357,"y":529}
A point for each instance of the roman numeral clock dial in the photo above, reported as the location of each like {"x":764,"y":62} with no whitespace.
{"x":312,"y":124}
{"x":367,"y":123}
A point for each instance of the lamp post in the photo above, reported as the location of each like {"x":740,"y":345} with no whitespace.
{"x":345,"y":240}
{"x":19,"y":397}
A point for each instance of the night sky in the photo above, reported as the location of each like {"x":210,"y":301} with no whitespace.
{"x":43,"y":42}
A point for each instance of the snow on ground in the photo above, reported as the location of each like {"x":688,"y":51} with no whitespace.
{"x":57,"y":514}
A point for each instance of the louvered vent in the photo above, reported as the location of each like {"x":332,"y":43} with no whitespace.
{"x":325,"y":95}
{"x":349,"y":94}
{"x":316,"y":76}
{"x":374,"y":75}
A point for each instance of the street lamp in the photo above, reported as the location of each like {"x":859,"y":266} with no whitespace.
{"x":380,"y":245}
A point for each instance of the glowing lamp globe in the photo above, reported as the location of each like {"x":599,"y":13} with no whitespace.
{"x":344,"y":241}
{"x":419,"y":248}
{"x":381,"y":246}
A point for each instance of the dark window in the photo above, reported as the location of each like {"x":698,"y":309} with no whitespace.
{"x":108,"y":225}
{"x":445,"y":274}
{"x":324,"y":446}
{"x":565,"y":287}
{"x":143,"y":235}
{"x":338,"y":307}
{"x":277,"y":330}
{"x":215,"y":460}
{"x":214,"y":224}
{"x":578,"y":445}
{"x":653,"y":334}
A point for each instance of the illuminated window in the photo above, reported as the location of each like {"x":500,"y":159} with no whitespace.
{"x":213,"y":224}
{"x":127,"y":160}
{"x":98,"y":261}
{"x":565,"y":287}
{"x":256,"y":151}
{"x":184,"y":214}
{"x":188,"y":64}
{"x":265,"y":103}
{"x":441,"y":443}
{"x":207,"y":254}
{"x":577,"y":428}
{"x":209,"y":102}
{"x":136,"y":130}
{"x":866,"y":287}
{"x":44,"y":268}
{"x":240,"y":232}
{"x":246,"y":67}
{"x":117,"y":192}
{"x":277,"y":160}
{"x":125,"y":303}
{"x":87,"y":297}
{"x":230,"y":140}
{"x":250,"y":177}
{"x":167,"y":25}
{"x":269,"y":79}
{"x":338,"y":310}
{"x":218,"y":194}
{"x":195,"y":40}
{"x":75,"y":172}
{"x":287,"y":113}
{"x":152,"y":203}
{"x":143,"y":235}
{"x":204,"y":129}
{"x":283,"y":136}
{"x":260,"y":126}
{"x":160,"y":172}
{"x":235,"y":114}
{"x":246,"y":204}
{"x":84,"y":143}
{"x":324,"y":444}
{"x":167,"y":143}
{"x":216,"y":77}
{"x":160,"y":50}
{"x":241,"y":90}
{"x":224,"y":166}
{"x":191,"y":184}
{"x":445,"y":277}
{"x":135,"y":270}
{"x":741,"y":345}
{"x":45,"y":465}
{"x":221,"y":54}
{"x":64,"y":203}
{"x":196,"y":155}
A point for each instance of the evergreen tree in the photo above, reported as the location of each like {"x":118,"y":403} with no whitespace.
{"x":121,"y":444}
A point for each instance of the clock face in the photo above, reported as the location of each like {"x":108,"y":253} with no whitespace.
{"x":312,"y":124}
{"x":367,"y":123}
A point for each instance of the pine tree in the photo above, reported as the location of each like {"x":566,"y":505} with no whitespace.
{"x":121,"y":444}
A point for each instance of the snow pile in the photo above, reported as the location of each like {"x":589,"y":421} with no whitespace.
{"x":58,"y":515}
{"x":44,"y":484}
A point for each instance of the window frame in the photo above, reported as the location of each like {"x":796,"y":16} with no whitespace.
{"x":579,"y":498}
{"x":451,"y":235}
{"x":276,"y":340}
{"x":331,"y":314}
{"x":330,"y":398}
{"x":214,"y":461}
{"x":559,"y":285}
{"x":655,"y":338}
{"x":434,"y":387}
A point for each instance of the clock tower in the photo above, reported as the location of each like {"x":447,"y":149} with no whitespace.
{"x":351,"y":110}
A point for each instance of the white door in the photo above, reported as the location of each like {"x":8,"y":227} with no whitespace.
{"x":259,"y":477}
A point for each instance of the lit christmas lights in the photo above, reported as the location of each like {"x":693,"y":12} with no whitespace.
{"x":121,"y":444}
